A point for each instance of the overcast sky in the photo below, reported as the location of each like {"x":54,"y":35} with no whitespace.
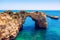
{"x":30,"y":4}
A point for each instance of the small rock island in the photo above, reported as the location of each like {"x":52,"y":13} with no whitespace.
{"x":11,"y":22}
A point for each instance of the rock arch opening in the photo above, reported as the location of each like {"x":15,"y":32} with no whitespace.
{"x":29,"y":23}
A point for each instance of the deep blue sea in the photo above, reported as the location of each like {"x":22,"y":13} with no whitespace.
{"x":51,"y":33}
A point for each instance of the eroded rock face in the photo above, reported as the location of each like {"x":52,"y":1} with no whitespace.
{"x":40,"y":20}
{"x":11,"y":23}
{"x":38,"y":17}
{"x":9,"y":27}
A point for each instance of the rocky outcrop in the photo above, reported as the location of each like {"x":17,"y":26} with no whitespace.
{"x":39,"y":18}
{"x":53,"y":17}
{"x":11,"y":23}
{"x":8,"y":27}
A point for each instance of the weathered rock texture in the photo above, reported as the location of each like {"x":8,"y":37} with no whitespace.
{"x":8,"y":27}
{"x":40,"y":20}
{"x":38,"y":17}
{"x":10,"y":23}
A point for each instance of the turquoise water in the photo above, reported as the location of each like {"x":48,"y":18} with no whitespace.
{"x":51,"y":33}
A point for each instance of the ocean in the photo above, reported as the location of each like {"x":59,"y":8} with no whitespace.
{"x":29,"y":33}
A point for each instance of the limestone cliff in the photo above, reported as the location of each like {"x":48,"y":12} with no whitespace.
{"x":11,"y":23}
{"x":8,"y":27}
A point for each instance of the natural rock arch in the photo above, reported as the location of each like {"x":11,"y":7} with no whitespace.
{"x":10,"y":23}
{"x":39,"y":18}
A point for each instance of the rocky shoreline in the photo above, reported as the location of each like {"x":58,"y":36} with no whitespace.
{"x":11,"y":22}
